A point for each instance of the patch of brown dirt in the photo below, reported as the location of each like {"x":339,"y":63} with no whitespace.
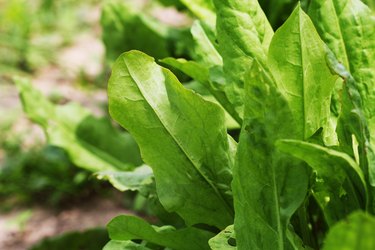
{"x":46,"y":223}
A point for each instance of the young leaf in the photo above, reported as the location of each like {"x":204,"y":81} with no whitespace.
{"x":297,"y":59}
{"x":125,"y":227}
{"x":267,"y":187}
{"x":356,"y":232}
{"x":181,"y":136}
{"x":91,"y":143}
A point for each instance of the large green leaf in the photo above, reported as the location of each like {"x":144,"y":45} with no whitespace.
{"x":124,"y":228}
{"x":267,"y":187}
{"x":348,"y":28}
{"x":297,"y":59}
{"x":356,"y":232}
{"x":341,"y":186}
{"x":91,"y":143}
{"x":244,"y":34}
{"x":181,"y":136}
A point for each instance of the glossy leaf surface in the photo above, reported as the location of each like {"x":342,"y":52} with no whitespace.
{"x":181,"y":136}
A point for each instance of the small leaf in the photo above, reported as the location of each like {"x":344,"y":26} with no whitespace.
{"x":225,"y":240}
{"x":124,"y":245}
{"x":124,"y":228}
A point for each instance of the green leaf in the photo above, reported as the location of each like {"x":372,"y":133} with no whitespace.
{"x":124,"y":245}
{"x":356,"y":232}
{"x":91,"y":143}
{"x":267,"y":187}
{"x":244,"y":34}
{"x":348,"y":28}
{"x":124,"y":228}
{"x":344,"y":187}
{"x":297,"y":59}
{"x":352,"y":120}
{"x":225,"y":240}
{"x":181,"y":136}
{"x":140,"y":179}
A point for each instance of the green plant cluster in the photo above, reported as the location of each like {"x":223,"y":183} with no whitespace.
{"x":299,"y":170}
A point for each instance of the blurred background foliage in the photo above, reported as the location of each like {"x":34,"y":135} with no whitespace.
{"x":31,"y":31}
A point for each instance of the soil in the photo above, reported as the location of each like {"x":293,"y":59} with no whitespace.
{"x":42,"y":222}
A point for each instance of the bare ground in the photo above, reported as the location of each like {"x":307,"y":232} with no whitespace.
{"x":46,"y":223}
